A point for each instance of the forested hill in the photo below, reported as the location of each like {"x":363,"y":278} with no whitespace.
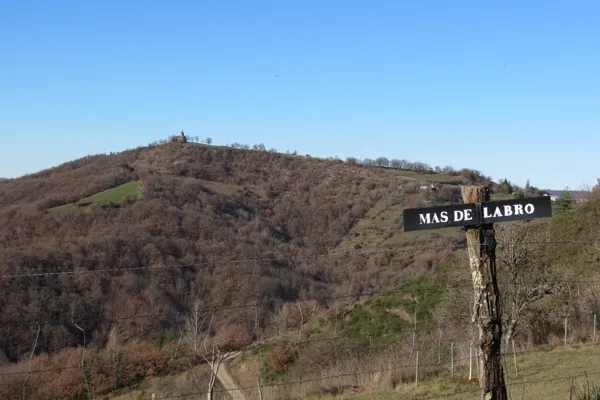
{"x":158,"y":229}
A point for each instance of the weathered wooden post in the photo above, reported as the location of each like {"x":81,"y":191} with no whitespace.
{"x":477,"y":215}
{"x":486,"y":301}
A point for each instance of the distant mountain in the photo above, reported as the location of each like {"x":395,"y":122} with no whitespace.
{"x":3,"y":179}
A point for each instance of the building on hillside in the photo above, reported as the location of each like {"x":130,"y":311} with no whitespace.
{"x":179,"y":138}
{"x":433,"y":186}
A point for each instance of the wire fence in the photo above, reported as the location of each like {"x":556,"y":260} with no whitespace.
{"x":423,"y":352}
{"x":435,"y":354}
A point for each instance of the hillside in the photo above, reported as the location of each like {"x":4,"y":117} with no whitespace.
{"x":129,"y":245}
{"x":169,"y":226}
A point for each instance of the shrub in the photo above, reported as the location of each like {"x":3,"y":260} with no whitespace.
{"x":281,"y":356}
{"x":233,"y":337}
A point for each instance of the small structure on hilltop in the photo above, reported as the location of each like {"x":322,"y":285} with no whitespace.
{"x":181,"y":138}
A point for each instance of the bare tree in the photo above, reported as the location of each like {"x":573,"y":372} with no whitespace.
{"x":198,"y":337}
{"x":194,"y":328}
{"x":526,"y":273}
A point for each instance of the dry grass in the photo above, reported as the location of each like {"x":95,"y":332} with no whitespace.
{"x":542,"y":375}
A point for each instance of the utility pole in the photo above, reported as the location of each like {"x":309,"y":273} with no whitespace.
{"x":486,"y":312}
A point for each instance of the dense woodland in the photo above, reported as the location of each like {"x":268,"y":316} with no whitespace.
{"x":289,"y":209}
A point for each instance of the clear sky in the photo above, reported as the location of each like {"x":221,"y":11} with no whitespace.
{"x":510,"y":88}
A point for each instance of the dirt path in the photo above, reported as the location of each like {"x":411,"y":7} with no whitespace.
{"x":226,"y":380}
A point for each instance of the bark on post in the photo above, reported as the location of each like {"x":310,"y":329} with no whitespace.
{"x":486,"y":312}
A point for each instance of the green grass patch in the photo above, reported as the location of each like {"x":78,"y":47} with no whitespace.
{"x":116,"y":195}
{"x":381,"y":319}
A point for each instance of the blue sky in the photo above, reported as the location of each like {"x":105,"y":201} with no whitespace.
{"x":510,"y":88}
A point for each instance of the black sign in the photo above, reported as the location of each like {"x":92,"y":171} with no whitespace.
{"x":440,"y":217}
{"x":515,"y":210}
{"x":475,"y":214}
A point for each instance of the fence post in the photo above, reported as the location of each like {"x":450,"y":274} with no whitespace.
{"x":515,"y":357}
{"x":260,"y":392}
{"x":594,"y":329}
{"x":452,"y":359}
{"x":477,"y":361}
{"x":440,"y":347}
{"x":414,"y":338}
{"x":566,"y":324}
{"x":470,"y":362}
{"x":256,"y":324}
{"x":417,"y":371}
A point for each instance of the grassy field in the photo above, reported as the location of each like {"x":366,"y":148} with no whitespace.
{"x":115,"y":195}
{"x":564,"y":373}
{"x":382,"y":228}
{"x":456,"y":180}
{"x":553,"y":374}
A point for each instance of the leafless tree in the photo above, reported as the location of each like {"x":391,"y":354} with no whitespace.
{"x":526,"y":273}
{"x":198,"y":337}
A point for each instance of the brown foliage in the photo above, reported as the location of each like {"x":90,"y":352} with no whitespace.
{"x":203,"y":206}
{"x":233,"y":337}
{"x":281,"y":356}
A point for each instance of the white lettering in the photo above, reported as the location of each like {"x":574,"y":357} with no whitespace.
{"x":518,"y":209}
{"x":497,"y":213}
{"x":444,"y":216}
{"x":424,"y":219}
{"x":458,"y":215}
{"x":508,"y":211}
{"x":435,"y":219}
{"x":468,"y":216}
{"x":529,"y":208}
{"x":485,"y":213}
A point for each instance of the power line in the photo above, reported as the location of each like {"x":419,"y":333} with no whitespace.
{"x":273,"y":303}
{"x":208,"y":264}
{"x":238,"y":306}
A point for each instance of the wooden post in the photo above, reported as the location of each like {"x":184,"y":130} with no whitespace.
{"x":256,"y":324}
{"x":260,"y":392}
{"x":440,"y":347}
{"x":414,"y":338}
{"x":470,"y":363}
{"x":452,"y":359}
{"x":566,"y":325}
{"x":594,"y":329}
{"x":486,"y":313}
{"x":417,"y":371}
{"x":515,"y":357}
{"x":477,"y":363}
